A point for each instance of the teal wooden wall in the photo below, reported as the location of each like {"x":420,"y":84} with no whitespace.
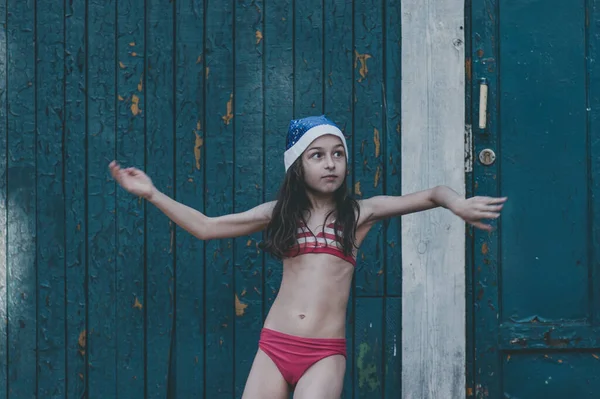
{"x":100,"y":295}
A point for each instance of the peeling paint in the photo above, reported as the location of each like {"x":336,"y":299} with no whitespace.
{"x":122,"y":65}
{"x":377,"y":176}
{"x":362,"y":58}
{"x":240,"y":307}
{"x":468,"y":65}
{"x":484,"y":248}
{"x":259,"y":36}
{"x":556,"y":342}
{"x":141,"y":84}
{"x":132,"y":44}
{"x":121,"y":98}
{"x":135,"y":109}
{"x":134,"y":54}
{"x":357,"y":188}
{"x":229,"y":116}
{"x":82,"y":342}
{"x":199,"y":60}
{"x":367,"y":373}
{"x":377,"y":141}
{"x":207,"y":72}
{"x":198,"y":146}
{"x":137,"y":304}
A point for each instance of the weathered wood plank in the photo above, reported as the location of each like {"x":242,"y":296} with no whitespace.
{"x":51,"y":364}
{"x":130,"y":210}
{"x":337,"y":93}
{"x":21,"y":207}
{"x":101,"y":331}
{"x":393,"y":144}
{"x":219,"y":149}
{"x":189,"y":189}
{"x":308,"y":58}
{"x":369,"y":142}
{"x":75,"y":198}
{"x":3,"y":203}
{"x":432,"y":242}
{"x":593,"y":139}
{"x":368,"y":348}
{"x":160,"y":160}
{"x":392,"y":353}
{"x":485,"y":248}
{"x":279,"y":100}
{"x":248,"y":178}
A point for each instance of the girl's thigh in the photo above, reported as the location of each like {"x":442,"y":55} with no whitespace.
{"x":265,"y":381}
{"x":323,"y":380}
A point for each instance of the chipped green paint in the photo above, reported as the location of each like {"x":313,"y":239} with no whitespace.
{"x":367,"y":370}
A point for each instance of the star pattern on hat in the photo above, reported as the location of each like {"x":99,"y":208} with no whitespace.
{"x":300,"y":126}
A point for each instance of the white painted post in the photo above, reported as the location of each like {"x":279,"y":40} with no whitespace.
{"x":433,"y":242}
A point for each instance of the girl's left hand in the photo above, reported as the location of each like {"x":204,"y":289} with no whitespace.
{"x":473,"y":210}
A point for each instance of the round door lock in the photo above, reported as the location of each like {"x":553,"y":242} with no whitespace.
{"x":487,"y":156}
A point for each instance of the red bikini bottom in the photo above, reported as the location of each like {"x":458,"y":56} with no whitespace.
{"x":294,"y":355}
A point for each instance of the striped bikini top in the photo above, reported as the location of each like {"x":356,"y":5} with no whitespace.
{"x":323,"y":242}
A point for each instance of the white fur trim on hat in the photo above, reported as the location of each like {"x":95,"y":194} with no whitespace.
{"x":311,"y":135}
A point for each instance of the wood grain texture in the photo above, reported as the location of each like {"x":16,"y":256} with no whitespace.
{"x":308,"y":58}
{"x":3,"y":204}
{"x":21,"y":207}
{"x":432,"y":109}
{"x":392,"y":100}
{"x":160,"y":160}
{"x":392,"y":351}
{"x":248,"y":178}
{"x":369,"y":139}
{"x":51,"y":363}
{"x":101,"y":337}
{"x":75,"y":165}
{"x":220,"y":186}
{"x":190,"y":167}
{"x":130,"y":235}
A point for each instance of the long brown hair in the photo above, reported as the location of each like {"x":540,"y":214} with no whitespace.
{"x":293,"y":204}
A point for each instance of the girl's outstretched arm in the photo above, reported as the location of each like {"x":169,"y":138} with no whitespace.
{"x":194,"y":222}
{"x":472,"y":210}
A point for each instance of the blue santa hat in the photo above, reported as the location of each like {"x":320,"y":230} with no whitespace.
{"x":302,"y":132}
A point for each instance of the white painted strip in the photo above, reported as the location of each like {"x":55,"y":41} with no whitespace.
{"x":433,"y":242}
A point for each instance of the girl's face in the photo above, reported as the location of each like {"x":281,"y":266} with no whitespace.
{"x":324,"y":163}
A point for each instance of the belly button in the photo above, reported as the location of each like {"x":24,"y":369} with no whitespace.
{"x":302,"y":316}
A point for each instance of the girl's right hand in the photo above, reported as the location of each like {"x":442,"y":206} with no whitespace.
{"x":133,"y":180}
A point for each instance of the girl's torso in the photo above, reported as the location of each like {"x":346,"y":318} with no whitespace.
{"x":315,"y":286}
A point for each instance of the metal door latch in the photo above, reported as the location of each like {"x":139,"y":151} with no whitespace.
{"x":487,"y":156}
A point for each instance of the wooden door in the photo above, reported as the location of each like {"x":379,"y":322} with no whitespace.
{"x":535,"y":325}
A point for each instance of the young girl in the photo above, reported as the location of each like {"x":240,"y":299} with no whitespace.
{"x":316,"y":228}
